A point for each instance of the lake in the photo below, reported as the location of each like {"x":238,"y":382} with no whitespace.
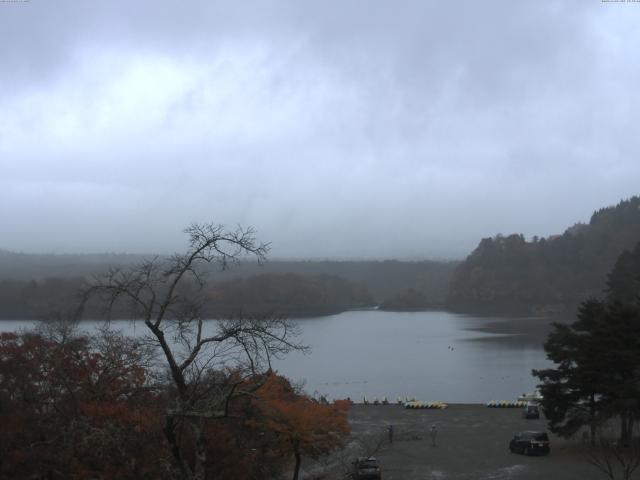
{"x":433,"y":356}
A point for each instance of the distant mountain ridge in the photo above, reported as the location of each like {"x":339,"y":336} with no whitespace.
{"x":35,"y":286}
{"x":546,"y":274}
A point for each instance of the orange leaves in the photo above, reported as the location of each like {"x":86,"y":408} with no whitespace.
{"x":301,"y":423}
{"x":342,"y":405}
{"x":291,"y":424}
{"x":85,"y":409}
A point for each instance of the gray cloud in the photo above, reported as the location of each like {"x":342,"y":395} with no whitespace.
{"x":337,"y":129}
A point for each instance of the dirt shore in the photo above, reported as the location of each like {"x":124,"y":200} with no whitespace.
{"x":472,"y":443}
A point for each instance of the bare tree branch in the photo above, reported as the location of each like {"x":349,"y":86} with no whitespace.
{"x":168,"y":295}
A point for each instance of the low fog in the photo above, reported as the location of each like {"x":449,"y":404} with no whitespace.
{"x":363,"y":129}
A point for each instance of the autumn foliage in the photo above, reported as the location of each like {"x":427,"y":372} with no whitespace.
{"x":81,"y":408}
{"x":74,"y":409}
{"x":295,"y":425}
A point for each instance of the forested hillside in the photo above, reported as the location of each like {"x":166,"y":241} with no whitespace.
{"x":546,"y":273}
{"x":287,"y":294}
{"x":383,"y":278}
{"x":36,"y":286}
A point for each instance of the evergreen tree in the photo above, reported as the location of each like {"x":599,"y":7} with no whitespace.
{"x":623,"y":283}
{"x":618,"y":340}
{"x":597,"y":373}
{"x":572,"y":392}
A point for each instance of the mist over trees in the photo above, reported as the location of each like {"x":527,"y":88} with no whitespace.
{"x":544,"y":275}
{"x":284,"y":287}
{"x":547,"y":274}
{"x":287,"y":294}
{"x":408,"y":300}
{"x":281,"y":294}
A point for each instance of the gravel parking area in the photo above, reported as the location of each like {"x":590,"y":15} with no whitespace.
{"x":472,"y":443}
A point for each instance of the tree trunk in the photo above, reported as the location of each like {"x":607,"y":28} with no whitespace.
{"x":625,"y":429}
{"x":170,"y":435}
{"x":199,"y":467}
{"x":296,"y":469}
{"x":592,"y":414}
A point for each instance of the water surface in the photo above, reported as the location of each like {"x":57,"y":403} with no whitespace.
{"x":430,"y":355}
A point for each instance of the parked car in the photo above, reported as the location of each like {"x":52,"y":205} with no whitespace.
{"x":530,"y":443}
{"x":366,"y":468}
{"x":531,"y":410}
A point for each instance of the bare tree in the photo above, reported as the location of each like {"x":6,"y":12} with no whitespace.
{"x":168,"y":296}
{"x":614,"y":459}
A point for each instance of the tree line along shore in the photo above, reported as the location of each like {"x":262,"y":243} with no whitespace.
{"x":196,"y":404}
{"x":505,"y":273}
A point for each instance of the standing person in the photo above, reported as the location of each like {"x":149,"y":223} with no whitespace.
{"x":390,"y":433}
{"x":433,"y":433}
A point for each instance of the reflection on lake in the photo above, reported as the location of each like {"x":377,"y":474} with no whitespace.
{"x":429,"y":355}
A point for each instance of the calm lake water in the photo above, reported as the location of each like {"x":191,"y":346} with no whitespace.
{"x":433,"y":356}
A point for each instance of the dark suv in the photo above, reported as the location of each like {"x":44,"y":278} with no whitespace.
{"x":530,"y":443}
{"x":366,"y":468}
{"x":531,"y":411}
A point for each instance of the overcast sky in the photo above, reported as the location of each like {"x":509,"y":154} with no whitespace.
{"x":338,"y":129}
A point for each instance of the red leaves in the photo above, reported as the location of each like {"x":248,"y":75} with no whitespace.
{"x":85,"y":409}
{"x":66,"y":407}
